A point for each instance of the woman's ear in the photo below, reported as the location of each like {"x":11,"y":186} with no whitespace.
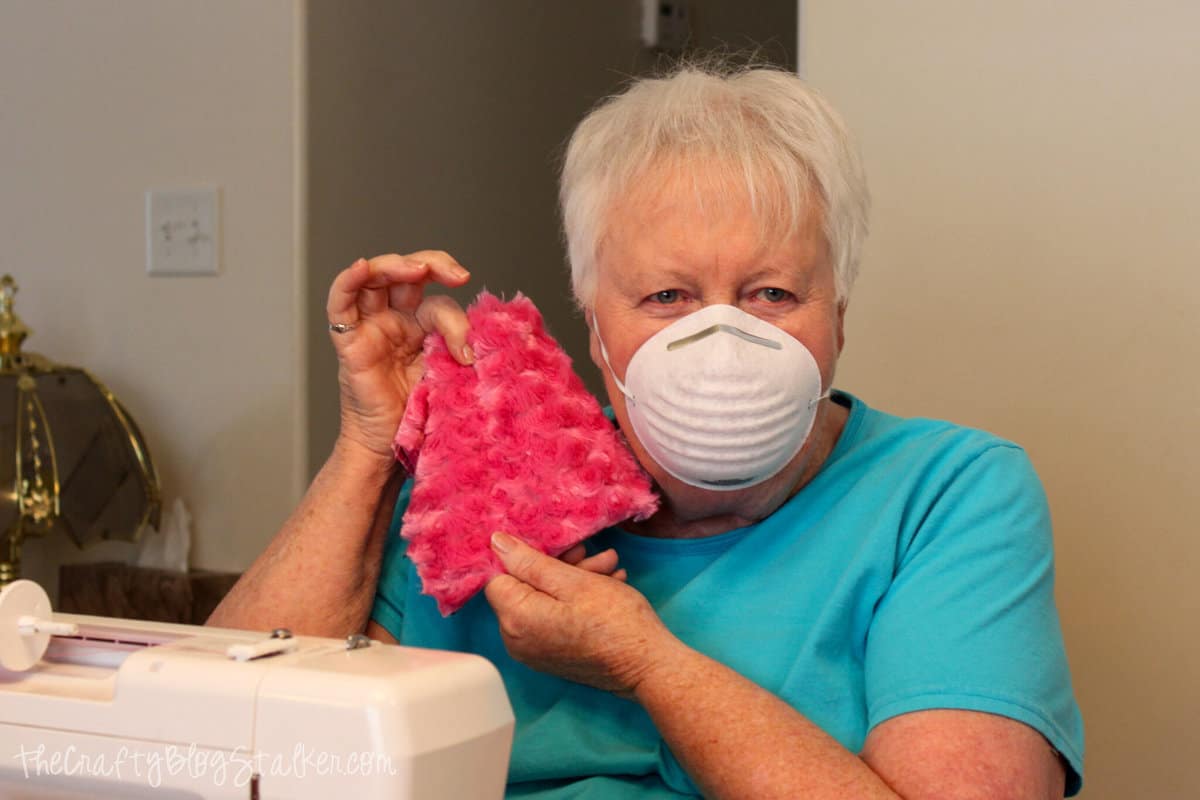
{"x":593,"y":340}
{"x":841,"y":326}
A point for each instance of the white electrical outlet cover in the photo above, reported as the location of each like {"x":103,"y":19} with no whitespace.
{"x":182,"y":232}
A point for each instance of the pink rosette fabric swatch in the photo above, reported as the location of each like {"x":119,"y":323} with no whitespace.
{"x":513,"y":443}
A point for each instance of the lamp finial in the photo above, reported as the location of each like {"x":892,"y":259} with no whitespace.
{"x":12,"y":330}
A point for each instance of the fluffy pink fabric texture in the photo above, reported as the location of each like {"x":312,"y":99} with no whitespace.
{"x":513,"y":443}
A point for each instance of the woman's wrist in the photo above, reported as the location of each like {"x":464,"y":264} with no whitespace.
{"x":367,"y":467}
{"x":664,"y":662}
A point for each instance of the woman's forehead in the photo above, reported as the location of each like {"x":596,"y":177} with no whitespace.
{"x":691,"y":193}
{"x":668,"y":211}
{"x":687,"y":182}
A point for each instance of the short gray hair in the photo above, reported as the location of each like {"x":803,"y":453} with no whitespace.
{"x":765,"y":126}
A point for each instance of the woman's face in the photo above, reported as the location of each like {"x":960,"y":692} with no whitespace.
{"x":665,"y":255}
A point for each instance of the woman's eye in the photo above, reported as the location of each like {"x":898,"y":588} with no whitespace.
{"x":773,"y":295}
{"x":666,"y":296}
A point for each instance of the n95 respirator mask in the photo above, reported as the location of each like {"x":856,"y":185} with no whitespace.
{"x":721,"y":399}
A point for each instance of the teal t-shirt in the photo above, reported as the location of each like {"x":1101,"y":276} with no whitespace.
{"x":915,"y":571}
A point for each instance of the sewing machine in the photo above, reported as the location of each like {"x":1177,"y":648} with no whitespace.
{"x":92,"y":707}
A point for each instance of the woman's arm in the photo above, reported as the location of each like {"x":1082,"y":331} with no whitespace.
{"x":737,"y":740}
{"x":318,"y":575}
{"x":734,"y":738}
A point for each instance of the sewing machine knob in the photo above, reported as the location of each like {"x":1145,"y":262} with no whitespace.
{"x":25,"y":625}
{"x":281,"y":633}
{"x":357,"y":641}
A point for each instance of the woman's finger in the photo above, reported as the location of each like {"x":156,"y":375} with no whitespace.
{"x":342,"y":305}
{"x":372,"y":301}
{"x":369,"y":287}
{"x":440,"y":267}
{"x":362,"y":287}
{"x":443,"y":267}
{"x":406,"y":296}
{"x":442,"y":314}
{"x":406,"y":276}
{"x":574,"y":555}
{"x":602,"y":563}
{"x":392,"y":268}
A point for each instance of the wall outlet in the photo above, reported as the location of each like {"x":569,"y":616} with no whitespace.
{"x":182,"y":232}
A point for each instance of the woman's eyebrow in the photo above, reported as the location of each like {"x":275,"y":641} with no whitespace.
{"x":765,"y":272}
{"x":658,"y":275}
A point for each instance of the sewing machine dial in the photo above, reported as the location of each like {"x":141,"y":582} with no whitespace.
{"x":25,"y":626}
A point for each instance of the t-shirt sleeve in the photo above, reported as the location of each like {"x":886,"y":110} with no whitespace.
{"x":969,"y":621}
{"x":392,"y":589}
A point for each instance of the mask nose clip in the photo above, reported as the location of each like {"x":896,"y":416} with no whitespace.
{"x":721,"y":327}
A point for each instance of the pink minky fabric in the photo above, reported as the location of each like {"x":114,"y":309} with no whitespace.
{"x":513,"y":443}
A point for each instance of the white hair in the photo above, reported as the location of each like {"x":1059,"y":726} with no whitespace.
{"x":761,"y":126}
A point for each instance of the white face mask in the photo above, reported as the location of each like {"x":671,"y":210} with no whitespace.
{"x":721,"y":399}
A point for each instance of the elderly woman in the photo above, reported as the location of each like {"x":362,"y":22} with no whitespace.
{"x":832,"y":602}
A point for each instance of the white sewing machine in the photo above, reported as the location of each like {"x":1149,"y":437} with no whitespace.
{"x":92,"y":707}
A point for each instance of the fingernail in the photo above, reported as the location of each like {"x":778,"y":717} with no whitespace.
{"x":502,"y":542}
{"x":468,"y":355}
{"x":459,"y":272}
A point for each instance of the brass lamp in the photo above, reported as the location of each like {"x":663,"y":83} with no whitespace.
{"x":71,"y":457}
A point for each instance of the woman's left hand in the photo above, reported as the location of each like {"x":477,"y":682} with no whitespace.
{"x":575,"y":621}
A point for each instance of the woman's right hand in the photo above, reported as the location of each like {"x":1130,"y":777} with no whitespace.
{"x":382,"y":304}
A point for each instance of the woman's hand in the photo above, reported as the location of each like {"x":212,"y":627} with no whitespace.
{"x":574,"y":620}
{"x":602,"y":563}
{"x":381,"y":309}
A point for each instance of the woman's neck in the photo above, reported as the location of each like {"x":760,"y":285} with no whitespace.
{"x":688,"y":512}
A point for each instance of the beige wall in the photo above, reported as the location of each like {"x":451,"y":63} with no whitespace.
{"x":1033,"y":271}
{"x":100,"y":101}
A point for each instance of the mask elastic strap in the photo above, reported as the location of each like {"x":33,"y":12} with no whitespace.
{"x":819,"y":398}
{"x":607,"y":363}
